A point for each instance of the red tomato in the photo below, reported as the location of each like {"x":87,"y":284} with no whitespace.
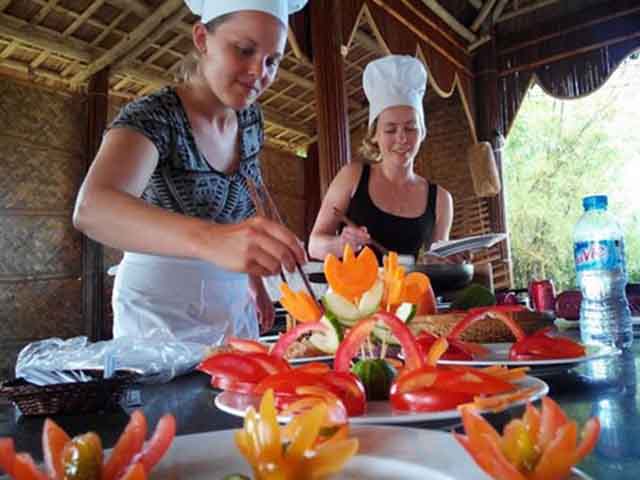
{"x":127,"y":446}
{"x":349,"y":389}
{"x":247,"y":345}
{"x":541,"y":346}
{"x":236,"y":372}
{"x":427,"y":399}
{"x":270,"y":363}
{"x":454,"y":352}
{"x":318,"y":368}
{"x":7,"y":455}
{"x":160,"y":442}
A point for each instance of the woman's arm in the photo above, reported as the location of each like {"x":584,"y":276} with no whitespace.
{"x":323,"y":239}
{"x":109,"y":210}
{"x":444,"y":216}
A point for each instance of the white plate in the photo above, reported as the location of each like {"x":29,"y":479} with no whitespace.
{"x":500,"y":356}
{"x":385,"y":452}
{"x":377,"y":412}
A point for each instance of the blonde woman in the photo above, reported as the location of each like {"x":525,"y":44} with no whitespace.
{"x":385,"y":197}
{"x":168,"y":187}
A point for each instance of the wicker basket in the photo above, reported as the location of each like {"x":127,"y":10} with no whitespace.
{"x":488,"y":330}
{"x":68,"y":398}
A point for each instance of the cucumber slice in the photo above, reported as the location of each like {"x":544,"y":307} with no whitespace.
{"x":340,"y":308}
{"x":328,"y":341}
{"x":370,"y":301}
{"x":405,"y":312}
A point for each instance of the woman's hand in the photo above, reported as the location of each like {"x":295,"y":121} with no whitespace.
{"x":256,"y":246}
{"x":357,"y":237}
{"x":264,"y":306}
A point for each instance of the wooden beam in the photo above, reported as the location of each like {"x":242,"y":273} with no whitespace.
{"x":4,"y":4}
{"x":166,"y":26}
{"x":281,"y":121}
{"x":369,"y":43}
{"x":450,"y":20}
{"x":131,"y":41}
{"x":92,"y":252}
{"x":44,"y":11}
{"x":482,"y":16}
{"x":524,"y":10}
{"x":499,"y":9}
{"x":32,"y":35}
{"x":136,"y":6}
{"x":333,"y":127}
{"x":82,"y":18}
{"x":477,"y":4}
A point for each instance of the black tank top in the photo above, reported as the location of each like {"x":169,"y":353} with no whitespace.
{"x":399,"y":234}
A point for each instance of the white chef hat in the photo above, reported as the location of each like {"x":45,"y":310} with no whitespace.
{"x":392,"y":81}
{"x":207,"y":10}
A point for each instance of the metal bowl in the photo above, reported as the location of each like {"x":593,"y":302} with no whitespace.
{"x":445,"y":277}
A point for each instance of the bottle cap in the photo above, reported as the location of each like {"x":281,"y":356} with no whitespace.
{"x":595,"y":202}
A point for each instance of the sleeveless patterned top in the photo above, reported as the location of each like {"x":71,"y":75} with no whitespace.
{"x":183,"y":180}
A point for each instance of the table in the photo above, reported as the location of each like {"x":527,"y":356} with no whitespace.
{"x":607,"y":388}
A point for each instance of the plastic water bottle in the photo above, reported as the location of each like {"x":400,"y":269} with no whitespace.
{"x":605,"y":318}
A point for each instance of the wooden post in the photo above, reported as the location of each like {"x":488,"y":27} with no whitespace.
{"x":490,"y":130}
{"x":331,"y":97}
{"x":92,"y":252}
{"x":311,"y":190}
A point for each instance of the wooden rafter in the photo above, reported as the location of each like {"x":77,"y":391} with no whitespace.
{"x":499,"y":9}
{"x":482,"y":16}
{"x":82,"y":18}
{"x":450,"y":20}
{"x":131,"y":41}
{"x":477,"y":4}
{"x":4,"y":4}
{"x":524,"y":10}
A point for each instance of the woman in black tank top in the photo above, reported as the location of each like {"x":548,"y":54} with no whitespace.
{"x":385,"y":197}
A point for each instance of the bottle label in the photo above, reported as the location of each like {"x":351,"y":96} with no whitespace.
{"x":599,"y":255}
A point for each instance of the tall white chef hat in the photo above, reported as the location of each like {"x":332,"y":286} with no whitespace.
{"x":207,"y":10}
{"x":392,"y":81}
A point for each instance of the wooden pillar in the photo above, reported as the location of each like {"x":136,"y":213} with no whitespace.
{"x":490,"y":130}
{"x":333,"y":121}
{"x":311,"y":189}
{"x":92,"y":252}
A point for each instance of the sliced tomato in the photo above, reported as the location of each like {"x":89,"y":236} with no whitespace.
{"x":127,"y":447}
{"x":247,"y":345}
{"x":318,"y":368}
{"x":500,"y":312}
{"x":542,"y":346}
{"x":54,"y":439}
{"x":270,"y":363}
{"x":236,"y":372}
{"x":453,"y":352}
{"x":427,"y":399}
{"x":158,"y":445}
{"x":413,"y":357}
{"x":286,"y":383}
{"x":7,"y":455}
{"x":292,"y":335}
{"x":349,"y":389}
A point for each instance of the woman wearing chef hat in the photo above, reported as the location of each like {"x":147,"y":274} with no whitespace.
{"x":385,"y":197}
{"x":168,"y":186}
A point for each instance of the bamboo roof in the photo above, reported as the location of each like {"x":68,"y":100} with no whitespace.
{"x":62,"y":43}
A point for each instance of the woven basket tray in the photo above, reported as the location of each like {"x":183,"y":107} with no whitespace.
{"x":68,"y":398}
{"x":488,"y":330}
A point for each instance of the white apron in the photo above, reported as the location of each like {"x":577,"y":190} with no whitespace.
{"x":181,"y":299}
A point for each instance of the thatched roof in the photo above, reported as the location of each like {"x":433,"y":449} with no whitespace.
{"x":64,"y":42}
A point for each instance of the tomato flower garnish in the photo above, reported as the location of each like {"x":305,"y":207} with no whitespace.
{"x":82,"y":456}
{"x":261,"y":443}
{"x":539,"y":446}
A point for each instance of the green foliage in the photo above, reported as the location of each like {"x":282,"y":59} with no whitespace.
{"x":558,"y":152}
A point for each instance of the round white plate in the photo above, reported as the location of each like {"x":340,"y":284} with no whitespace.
{"x":377,"y":412}
{"x":385,"y":452}
{"x":302,"y":360}
{"x":500,"y":356}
